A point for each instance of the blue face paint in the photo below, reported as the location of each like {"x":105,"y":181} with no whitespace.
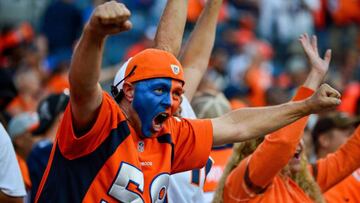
{"x":151,"y":97}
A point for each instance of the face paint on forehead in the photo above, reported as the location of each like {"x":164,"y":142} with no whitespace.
{"x":153,"y":101}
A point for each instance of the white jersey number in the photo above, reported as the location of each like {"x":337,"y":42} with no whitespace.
{"x":130,"y":175}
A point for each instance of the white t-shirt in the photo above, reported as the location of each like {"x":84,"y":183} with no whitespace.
{"x":11,"y":181}
{"x":183,"y":187}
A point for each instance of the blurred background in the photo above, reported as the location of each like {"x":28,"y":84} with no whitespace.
{"x":256,"y":58}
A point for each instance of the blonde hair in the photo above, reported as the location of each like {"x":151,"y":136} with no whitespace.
{"x":306,"y":181}
{"x":303,"y":178}
{"x":240,"y":151}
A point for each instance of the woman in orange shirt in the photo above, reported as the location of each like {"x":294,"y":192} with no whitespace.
{"x":274,"y":169}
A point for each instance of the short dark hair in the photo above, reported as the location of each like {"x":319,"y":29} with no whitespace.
{"x":337,"y":120}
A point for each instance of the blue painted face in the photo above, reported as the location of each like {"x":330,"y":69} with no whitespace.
{"x":154,"y":101}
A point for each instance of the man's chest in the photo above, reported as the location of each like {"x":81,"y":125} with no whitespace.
{"x":138,"y":171}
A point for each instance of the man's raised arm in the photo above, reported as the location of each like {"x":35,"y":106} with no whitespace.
{"x":196,"y":55}
{"x":85,"y":91}
{"x":171,"y":26}
{"x":248,"y":123}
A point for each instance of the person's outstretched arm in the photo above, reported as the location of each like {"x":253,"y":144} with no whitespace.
{"x":196,"y":54}
{"x":171,"y":26}
{"x":248,"y":123}
{"x":85,"y":91}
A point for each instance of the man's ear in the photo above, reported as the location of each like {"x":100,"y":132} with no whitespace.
{"x":128,"y":90}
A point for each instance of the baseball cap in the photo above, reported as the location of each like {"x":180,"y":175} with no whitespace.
{"x":48,"y":109}
{"x":148,"y":64}
{"x":21,"y":123}
{"x":339,"y":120}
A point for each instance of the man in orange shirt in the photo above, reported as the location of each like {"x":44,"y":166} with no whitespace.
{"x":125,"y":150}
{"x":329,"y":134}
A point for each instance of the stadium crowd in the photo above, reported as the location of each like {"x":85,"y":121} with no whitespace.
{"x":256,"y":61}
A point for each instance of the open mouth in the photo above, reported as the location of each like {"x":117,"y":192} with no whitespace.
{"x":159,"y":120}
{"x":297,"y":154}
{"x":298,"y":151}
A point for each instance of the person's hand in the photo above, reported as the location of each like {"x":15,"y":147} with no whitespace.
{"x":110,"y":18}
{"x":325,"y":98}
{"x":318,"y":64}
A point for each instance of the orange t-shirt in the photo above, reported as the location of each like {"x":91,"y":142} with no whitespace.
{"x":111,"y":163}
{"x":24,"y":172}
{"x":347,"y":191}
{"x":261,"y":169}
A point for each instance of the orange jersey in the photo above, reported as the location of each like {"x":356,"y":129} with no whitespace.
{"x":347,"y":190}
{"x":257,"y":178}
{"x":111,"y":163}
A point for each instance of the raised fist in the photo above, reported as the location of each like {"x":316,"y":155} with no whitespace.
{"x":110,"y":18}
{"x":325,"y":98}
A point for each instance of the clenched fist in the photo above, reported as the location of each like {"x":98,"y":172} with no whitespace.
{"x":325,"y":98}
{"x":110,"y":18}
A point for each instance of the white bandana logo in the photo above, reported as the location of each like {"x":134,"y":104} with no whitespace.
{"x":175,"y":69}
